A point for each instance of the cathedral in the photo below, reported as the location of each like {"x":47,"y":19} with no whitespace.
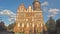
{"x":30,"y":20}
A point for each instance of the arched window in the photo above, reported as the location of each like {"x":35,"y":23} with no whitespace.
{"x":33,"y":25}
{"x":27,"y":24}
{"x":22,"y":24}
{"x":18,"y":24}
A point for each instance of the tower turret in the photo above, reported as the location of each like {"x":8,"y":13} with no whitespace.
{"x":36,"y":5}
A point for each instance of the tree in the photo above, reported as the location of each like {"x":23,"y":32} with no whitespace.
{"x":11,"y":26}
{"x":58,"y":22}
{"x":58,"y":25}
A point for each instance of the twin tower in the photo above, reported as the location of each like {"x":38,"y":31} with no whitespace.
{"x":30,"y":20}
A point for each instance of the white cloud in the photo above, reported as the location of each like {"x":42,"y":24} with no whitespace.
{"x":12,"y":18}
{"x":53,"y":12}
{"x":45,"y":6}
{"x":44,"y":3}
{"x":9,"y":13}
{"x":51,"y":15}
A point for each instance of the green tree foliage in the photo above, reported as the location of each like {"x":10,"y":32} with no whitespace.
{"x":58,"y":22}
{"x":58,"y":25}
{"x":11,"y":26}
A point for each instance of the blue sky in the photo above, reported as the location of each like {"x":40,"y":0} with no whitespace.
{"x":49,"y":8}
